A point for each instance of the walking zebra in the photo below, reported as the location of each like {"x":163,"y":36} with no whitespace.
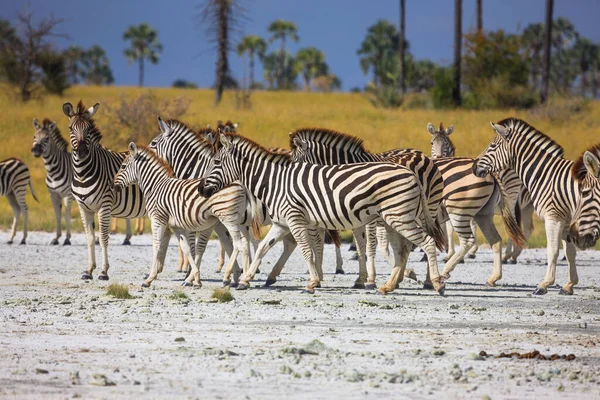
{"x":94,"y":168}
{"x":442,"y":146}
{"x":301,"y":196}
{"x":176,"y":203}
{"x":49,"y":144}
{"x":14,"y":179}
{"x":464,"y":195}
{"x":564,"y":193}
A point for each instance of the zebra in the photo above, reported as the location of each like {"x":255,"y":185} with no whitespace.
{"x":175,"y":203}
{"x":464,"y":195}
{"x":94,"y":168}
{"x":49,"y":144}
{"x":442,"y":146}
{"x":14,"y":179}
{"x":562,"y":195}
{"x":301,"y":195}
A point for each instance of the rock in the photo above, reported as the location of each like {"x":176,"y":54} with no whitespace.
{"x":41,"y":371}
{"x":74,"y":378}
{"x":101,"y":380}
{"x":539,"y":313}
{"x":180,"y":339}
{"x":439,"y":352}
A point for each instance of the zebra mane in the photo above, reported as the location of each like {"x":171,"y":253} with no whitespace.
{"x":523,"y":128}
{"x":55,"y":135}
{"x":94,"y":133}
{"x":180,"y":128}
{"x":452,"y":147}
{"x":578,"y":170}
{"x":155,"y":159}
{"x":278,"y":157}
{"x":329,"y":137}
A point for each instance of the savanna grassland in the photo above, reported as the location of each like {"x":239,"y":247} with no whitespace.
{"x":573,"y":124}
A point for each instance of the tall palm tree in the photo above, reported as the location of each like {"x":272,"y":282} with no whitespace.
{"x":282,"y":30}
{"x":547,"y":49}
{"x":401,"y":40}
{"x":97,"y":65}
{"x":377,"y":49}
{"x":254,"y":46}
{"x":144,"y":46}
{"x":310,"y":62}
{"x":587,"y":54}
{"x":479,"y":10}
{"x":457,"y":50}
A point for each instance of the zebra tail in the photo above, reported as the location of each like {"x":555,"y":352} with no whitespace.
{"x":432,"y":227}
{"x":32,"y":191}
{"x":511,"y":222}
{"x":256,"y":222}
{"x":335,"y":237}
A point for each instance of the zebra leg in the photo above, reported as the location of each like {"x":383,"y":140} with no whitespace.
{"x":227,"y":243}
{"x":113,"y":226}
{"x":128,"y":233}
{"x":383,"y":242}
{"x":188,"y":243}
{"x":289,"y":244}
{"x":462,"y":224}
{"x":359,"y":238}
{"x":68,"y":202}
{"x":241,"y":245}
{"x":183,"y":265}
{"x":401,"y":249}
{"x":12,"y":200}
{"x":57,"y":205}
{"x":87,"y":218}
{"x":162,"y":249}
{"x":25,"y":211}
{"x":158,"y":233}
{"x":371,"y":232}
{"x":554,"y":231}
{"x":104,"y":223}
{"x":275,"y":234}
{"x":317,"y":238}
{"x":473,"y":250}
{"x":527,"y":223}
{"x":304,"y":241}
{"x":570,"y":252}
{"x":221,"y":258}
{"x":511,"y":248}
{"x":450,"y":235}
{"x":339,"y":261}
{"x":486,"y":223}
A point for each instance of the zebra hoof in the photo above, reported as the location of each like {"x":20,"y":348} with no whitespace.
{"x":234,"y":284}
{"x":370,"y":286}
{"x":564,"y":292}
{"x":54,"y":242}
{"x":358,"y":285}
{"x":380,"y":292}
{"x":428,"y":286}
{"x":258,"y":270}
{"x":339,"y":272}
{"x":424,"y":258}
{"x":97,"y":241}
{"x":442,"y":290}
{"x":86,"y":276}
{"x":226,"y":283}
{"x":187,"y":284}
{"x":462,"y":261}
{"x":308,"y":291}
{"x":270,"y":282}
{"x":240,"y":286}
{"x":471,"y":256}
{"x":540,"y":291}
{"x":9,"y":242}
{"x":411,"y":274}
{"x":126,"y":242}
{"x":103,"y":277}
{"x":67,"y":242}
{"x":145,"y":285}
{"x":23,"y":241}
{"x":512,"y":261}
{"x":354,"y":256}
{"x":489,"y":284}
{"x":352,"y":247}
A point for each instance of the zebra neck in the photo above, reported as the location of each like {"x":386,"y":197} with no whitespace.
{"x":533,"y":168}
{"x":54,"y":157}
{"x":151,"y":175}
{"x":258,"y":172}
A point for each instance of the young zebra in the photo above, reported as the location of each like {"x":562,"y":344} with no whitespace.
{"x":562,"y":194}
{"x":14,"y":179}
{"x":94,"y":168}
{"x":442,"y":146}
{"x":300,"y":196}
{"x":49,"y":144}
{"x":176,"y":203}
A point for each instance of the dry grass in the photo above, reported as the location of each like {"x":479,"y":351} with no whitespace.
{"x":118,"y":291}
{"x":222,"y":295}
{"x":273,"y":115}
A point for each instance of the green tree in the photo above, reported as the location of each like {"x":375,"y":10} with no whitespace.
{"x":144,"y":45}
{"x":420,"y":74}
{"x":253,"y":46}
{"x":97,"y":66}
{"x":73,"y":57}
{"x":587,"y":55}
{"x":378,"y":51}
{"x":283,"y":30}
{"x":271,"y":70}
{"x":310,"y":63}
{"x":184,"y":84}
{"x":547,"y":49}
{"x":54,"y":75}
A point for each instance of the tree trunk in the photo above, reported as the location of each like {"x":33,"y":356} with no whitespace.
{"x":222,"y":64}
{"x":402,"y":60}
{"x":547,"y":48}
{"x":457,"y":50}
{"x":281,"y":65}
{"x":251,"y":70}
{"x":480,"y":17}
{"x":141,"y":82}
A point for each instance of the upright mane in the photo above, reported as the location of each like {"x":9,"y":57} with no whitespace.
{"x":282,"y":158}
{"x":153,"y":157}
{"x":523,"y":128}
{"x":330,"y":138}
{"x":578,"y":170}
{"x":94,"y":133}
{"x":452,"y":147}
{"x":180,"y":128}
{"x":55,"y":135}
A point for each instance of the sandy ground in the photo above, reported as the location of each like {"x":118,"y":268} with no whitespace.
{"x":61,"y":337}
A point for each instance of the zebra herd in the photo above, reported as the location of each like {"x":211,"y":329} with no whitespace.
{"x":196,"y":182}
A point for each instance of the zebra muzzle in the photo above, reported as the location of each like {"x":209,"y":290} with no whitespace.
{"x":206,"y":190}
{"x":478,"y":171}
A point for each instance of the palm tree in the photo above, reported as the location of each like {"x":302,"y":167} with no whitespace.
{"x":587,"y":55}
{"x":253,"y":45}
{"x":547,"y":47}
{"x":401,"y":50}
{"x":282,"y":30}
{"x":479,"y":10}
{"x":378,"y":49}
{"x":144,"y":45}
{"x":310,"y":62}
{"x":97,"y":65}
{"x":457,"y":50}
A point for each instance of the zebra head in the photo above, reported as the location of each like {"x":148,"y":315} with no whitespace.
{"x":586,"y":231}
{"x":41,"y":138}
{"x":496,"y":157}
{"x":300,"y":151}
{"x":223,"y":169}
{"x":160,"y":143}
{"x":441,"y":145}
{"x":128,"y":174}
{"x":80,"y":125}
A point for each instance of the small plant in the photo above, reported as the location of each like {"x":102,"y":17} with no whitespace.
{"x":118,"y":291}
{"x":222,"y":295}
{"x":179,"y":295}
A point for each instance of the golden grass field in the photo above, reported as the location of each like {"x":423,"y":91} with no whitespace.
{"x":273,"y":116}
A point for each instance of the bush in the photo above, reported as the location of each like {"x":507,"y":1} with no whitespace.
{"x":497,"y":92}
{"x":118,"y":291}
{"x":222,"y":295}
{"x":387,"y":96}
{"x":441,"y":93}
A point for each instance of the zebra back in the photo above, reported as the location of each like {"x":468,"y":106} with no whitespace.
{"x":14,"y":177}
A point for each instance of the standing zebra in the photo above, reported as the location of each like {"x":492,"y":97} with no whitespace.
{"x":301,"y":196}
{"x":564,"y":193}
{"x":94,"y":168}
{"x":176,"y":203}
{"x":49,"y":144}
{"x":14,"y":179}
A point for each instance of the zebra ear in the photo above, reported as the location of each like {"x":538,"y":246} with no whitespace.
{"x":299,"y":143}
{"x":162,"y":125}
{"x":500,"y":130}
{"x":36,"y":124}
{"x":68,"y":110}
{"x":225,"y":142}
{"x":450,"y":130}
{"x":235,"y":126}
{"x":92,"y":110}
{"x":592,"y":164}
{"x":430,"y":128}
{"x":51,"y":126}
{"x":132,"y":148}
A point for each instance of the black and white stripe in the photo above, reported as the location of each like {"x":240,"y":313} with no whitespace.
{"x":14,"y":179}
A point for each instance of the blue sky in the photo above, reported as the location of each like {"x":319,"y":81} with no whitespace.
{"x":335,"y":26}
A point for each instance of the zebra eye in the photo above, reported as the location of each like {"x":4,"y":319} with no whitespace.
{"x":153,"y":143}
{"x":217,"y":162}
